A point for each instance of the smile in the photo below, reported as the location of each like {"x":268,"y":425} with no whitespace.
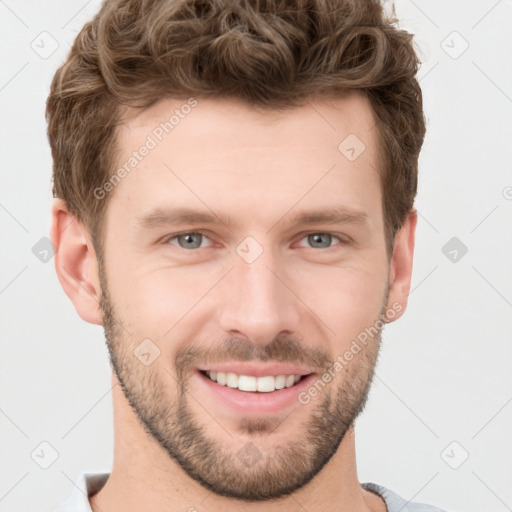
{"x":263,"y":384}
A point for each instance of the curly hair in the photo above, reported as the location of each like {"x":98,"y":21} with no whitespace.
{"x":271,"y":54}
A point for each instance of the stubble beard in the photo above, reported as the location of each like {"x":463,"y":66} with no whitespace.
{"x":252,"y":473}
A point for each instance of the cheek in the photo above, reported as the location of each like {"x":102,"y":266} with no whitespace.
{"x":345,"y":299}
{"x":153,"y":301}
{"x":342,"y":300}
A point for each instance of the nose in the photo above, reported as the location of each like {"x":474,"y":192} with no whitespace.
{"x":258,"y":302}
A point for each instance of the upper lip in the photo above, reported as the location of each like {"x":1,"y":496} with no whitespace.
{"x":257,"y":370}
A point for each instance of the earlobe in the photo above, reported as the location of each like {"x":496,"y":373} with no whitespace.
{"x":400,"y":270}
{"x":76,"y":263}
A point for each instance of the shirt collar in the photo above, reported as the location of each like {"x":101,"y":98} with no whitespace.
{"x":89,"y":484}
{"x":85,"y":486}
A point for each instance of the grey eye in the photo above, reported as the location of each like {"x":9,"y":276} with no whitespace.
{"x":320,"y":240}
{"x":190,"y":240}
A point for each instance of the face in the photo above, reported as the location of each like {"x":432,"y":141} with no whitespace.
{"x":246,"y":243}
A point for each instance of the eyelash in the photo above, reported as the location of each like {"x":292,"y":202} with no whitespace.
{"x":177,"y":235}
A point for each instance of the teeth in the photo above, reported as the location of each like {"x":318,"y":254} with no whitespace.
{"x":231,"y":380}
{"x":280,"y":382}
{"x":244,"y":382}
{"x":265,"y":384}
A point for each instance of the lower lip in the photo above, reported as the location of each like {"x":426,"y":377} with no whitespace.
{"x":254,"y":403}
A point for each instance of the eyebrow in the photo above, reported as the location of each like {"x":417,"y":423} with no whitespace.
{"x":175,"y":216}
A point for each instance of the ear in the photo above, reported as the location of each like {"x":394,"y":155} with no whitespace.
{"x":400,"y":269}
{"x":76,"y":263}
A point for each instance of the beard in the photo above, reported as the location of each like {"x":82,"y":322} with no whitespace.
{"x":252,"y":473}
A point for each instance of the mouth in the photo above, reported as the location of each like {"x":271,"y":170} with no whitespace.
{"x":252,"y":383}
{"x":251,"y":395}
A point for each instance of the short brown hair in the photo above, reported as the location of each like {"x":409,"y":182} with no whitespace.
{"x":268,"y":53}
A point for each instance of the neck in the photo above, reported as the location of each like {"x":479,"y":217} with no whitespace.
{"x":143,"y":469}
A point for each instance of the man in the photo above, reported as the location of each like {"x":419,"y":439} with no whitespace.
{"x":235,"y":186}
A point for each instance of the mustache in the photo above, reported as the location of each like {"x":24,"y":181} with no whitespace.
{"x":282,"y":349}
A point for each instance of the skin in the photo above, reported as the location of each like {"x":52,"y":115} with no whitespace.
{"x":298,"y":301}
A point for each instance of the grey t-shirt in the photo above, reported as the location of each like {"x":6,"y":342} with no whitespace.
{"x":395,"y":503}
{"x":89,"y":484}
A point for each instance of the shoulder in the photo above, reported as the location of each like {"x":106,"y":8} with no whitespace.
{"x":395,"y":503}
{"x":86,"y":485}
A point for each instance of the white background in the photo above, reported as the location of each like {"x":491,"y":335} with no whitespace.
{"x":444,"y":373}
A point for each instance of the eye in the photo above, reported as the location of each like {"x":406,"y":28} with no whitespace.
{"x":195,"y":240}
{"x":321,"y":240}
{"x":188,"y":240}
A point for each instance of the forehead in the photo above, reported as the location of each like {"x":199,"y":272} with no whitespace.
{"x":169,"y":118}
{"x":224,"y":152}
